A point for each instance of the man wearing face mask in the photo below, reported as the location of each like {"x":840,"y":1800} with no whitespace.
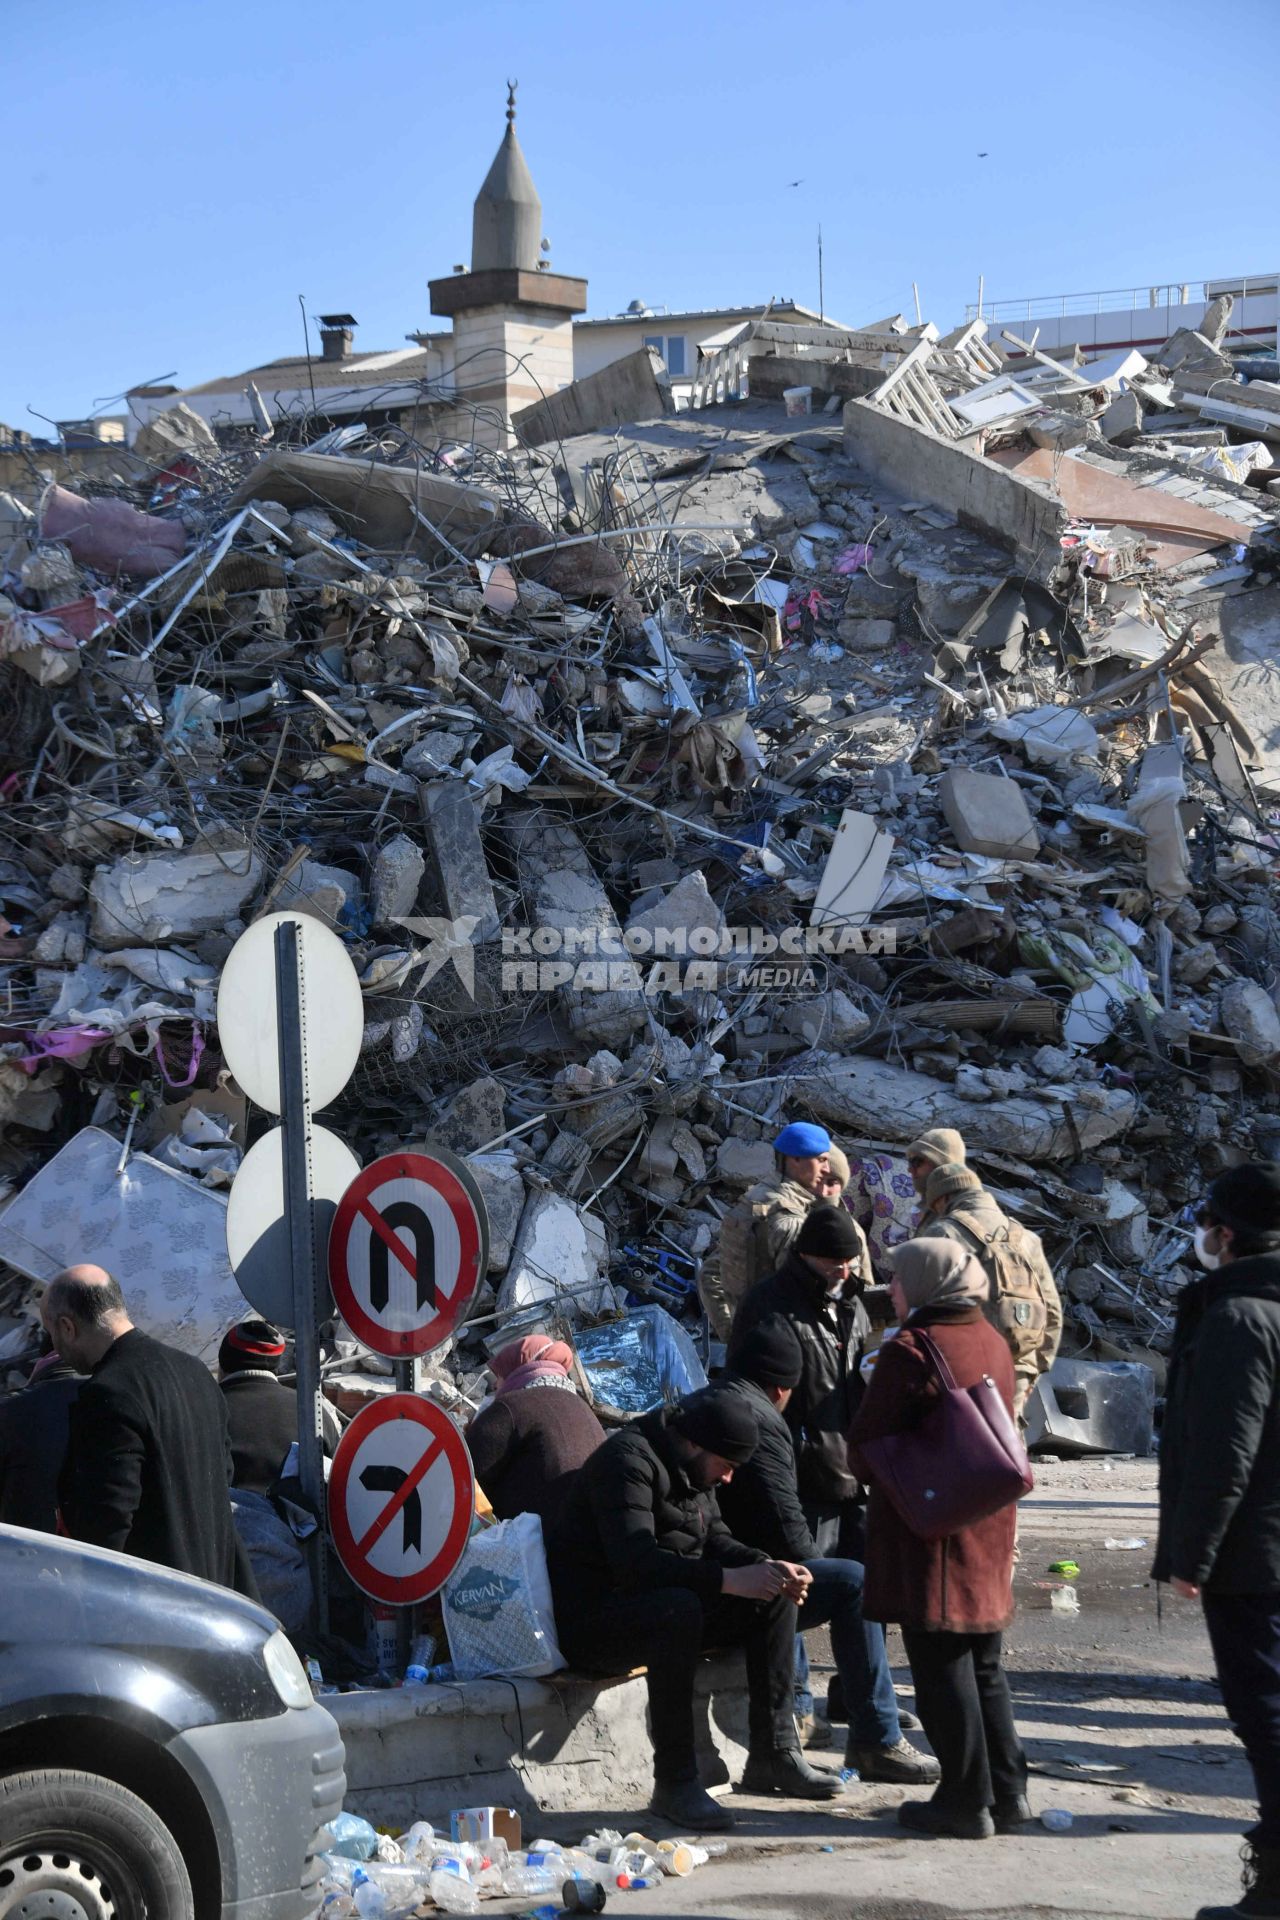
{"x":1219,"y":1538}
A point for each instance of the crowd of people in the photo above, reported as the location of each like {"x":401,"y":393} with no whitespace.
{"x":760,"y":1507}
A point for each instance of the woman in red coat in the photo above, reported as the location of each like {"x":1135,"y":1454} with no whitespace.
{"x":952,"y":1598}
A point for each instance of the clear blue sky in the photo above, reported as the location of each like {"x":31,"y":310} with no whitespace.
{"x":177,"y":174}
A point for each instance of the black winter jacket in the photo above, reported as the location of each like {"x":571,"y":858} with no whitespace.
{"x":33,"y":1445}
{"x":761,"y":1504}
{"x":148,"y":1466}
{"x":1220,"y":1449}
{"x":833,"y":1339}
{"x":633,"y":1523}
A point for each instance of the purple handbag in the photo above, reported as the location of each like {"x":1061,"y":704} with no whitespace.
{"x":962,"y":1463}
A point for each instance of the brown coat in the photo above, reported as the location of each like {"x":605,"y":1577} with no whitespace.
{"x":962,"y":1584}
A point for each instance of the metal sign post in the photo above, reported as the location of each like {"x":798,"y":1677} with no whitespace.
{"x":303,"y":1252}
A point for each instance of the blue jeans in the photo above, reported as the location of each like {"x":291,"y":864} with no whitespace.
{"x":835,"y":1600}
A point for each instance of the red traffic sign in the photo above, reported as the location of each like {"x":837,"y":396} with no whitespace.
{"x":408,"y":1248}
{"x":401,"y":1499}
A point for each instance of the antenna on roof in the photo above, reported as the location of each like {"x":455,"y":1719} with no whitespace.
{"x":306,"y":344}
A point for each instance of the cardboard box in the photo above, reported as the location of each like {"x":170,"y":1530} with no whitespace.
{"x":479,"y":1824}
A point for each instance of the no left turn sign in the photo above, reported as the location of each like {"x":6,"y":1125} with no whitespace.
{"x":401,"y":1499}
{"x":407,"y":1250}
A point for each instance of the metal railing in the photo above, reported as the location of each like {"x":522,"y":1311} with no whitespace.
{"x":1171,"y":293}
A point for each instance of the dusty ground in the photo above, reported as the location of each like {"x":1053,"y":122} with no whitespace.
{"x":1124,"y":1728}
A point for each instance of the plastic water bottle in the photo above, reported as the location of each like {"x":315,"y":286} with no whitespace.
{"x":1056,"y":1820}
{"x":534,"y":1873}
{"x":450,"y":1885}
{"x":371,"y":1901}
{"x":416,"y":1676}
{"x":420,"y":1842}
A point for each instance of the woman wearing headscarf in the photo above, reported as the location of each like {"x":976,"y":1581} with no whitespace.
{"x":952,"y":1598}
{"x":535,"y":1433}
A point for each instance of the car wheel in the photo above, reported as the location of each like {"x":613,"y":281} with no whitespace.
{"x":74,"y":1846}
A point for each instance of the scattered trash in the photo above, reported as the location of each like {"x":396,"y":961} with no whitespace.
{"x":1057,"y":1820}
{"x":1064,"y":1600}
{"x":1069,"y":1569}
{"x":1123,"y":1546}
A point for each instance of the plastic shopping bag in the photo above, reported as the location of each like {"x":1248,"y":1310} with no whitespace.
{"x":497,"y":1604}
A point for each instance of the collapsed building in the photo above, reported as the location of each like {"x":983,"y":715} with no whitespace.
{"x":893,"y":739}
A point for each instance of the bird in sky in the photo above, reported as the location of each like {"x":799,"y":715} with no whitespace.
{"x":795,"y":183}
{"x":982,"y":156}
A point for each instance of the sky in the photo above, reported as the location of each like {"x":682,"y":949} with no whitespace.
{"x":177,"y":175}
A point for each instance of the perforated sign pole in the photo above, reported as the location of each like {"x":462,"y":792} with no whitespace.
{"x":303,"y":1252}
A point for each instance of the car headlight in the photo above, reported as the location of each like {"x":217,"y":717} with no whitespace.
{"x":288,"y":1675}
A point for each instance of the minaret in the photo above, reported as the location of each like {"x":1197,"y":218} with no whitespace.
{"x":512,"y":320}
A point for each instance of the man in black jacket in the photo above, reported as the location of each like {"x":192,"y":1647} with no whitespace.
{"x":33,"y":1444}
{"x":262,"y":1413}
{"x":819,"y":1289}
{"x":1220,"y":1484}
{"x":762,"y":1506}
{"x":644,"y":1571}
{"x":148,"y":1464}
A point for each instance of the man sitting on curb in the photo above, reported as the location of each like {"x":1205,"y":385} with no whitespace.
{"x":762,"y":1506}
{"x":645,"y":1572}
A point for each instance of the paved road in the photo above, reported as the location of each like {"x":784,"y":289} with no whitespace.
{"x":1125,"y":1731}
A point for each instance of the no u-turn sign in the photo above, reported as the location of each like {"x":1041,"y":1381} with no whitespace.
{"x":408,"y":1248}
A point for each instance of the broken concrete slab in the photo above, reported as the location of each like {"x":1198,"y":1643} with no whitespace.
{"x":877,"y":1101}
{"x":681,"y":923}
{"x":988,"y":814}
{"x":177,"y":434}
{"x":637,"y":387}
{"x":1249,"y":1016}
{"x":826,"y":1020}
{"x":451,"y":815}
{"x":1014,"y":512}
{"x":1093,"y":1406}
{"x":157,"y":898}
{"x":559,"y":1251}
{"x":398,"y":509}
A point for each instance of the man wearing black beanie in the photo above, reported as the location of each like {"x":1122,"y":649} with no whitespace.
{"x":645,"y":1572}
{"x":762,"y":1506}
{"x":1219,"y":1536}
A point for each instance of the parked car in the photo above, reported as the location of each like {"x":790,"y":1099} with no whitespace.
{"x":161,"y":1754}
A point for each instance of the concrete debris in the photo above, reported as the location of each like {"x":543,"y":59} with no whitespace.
{"x":906,"y":763}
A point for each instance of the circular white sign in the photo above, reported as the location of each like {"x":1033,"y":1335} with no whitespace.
{"x":401,"y":1498}
{"x":257,"y":1235}
{"x":248,"y":1013}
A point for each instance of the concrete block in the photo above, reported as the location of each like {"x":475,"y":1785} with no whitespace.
{"x":987,"y":814}
{"x":826,"y":1020}
{"x":473,"y":1117}
{"x":740,"y":1163}
{"x":1093,"y":1406}
{"x":502,"y":1184}
{"x":1015,"y":512}
{"x":867,"y":636}
{"x":397,"y":875}
{"x":1061,"y":431}
{"x":1122,"y":421}
{"x":451,"y":816}
{"x":570,"y":1743}
{"x":155,"y":899}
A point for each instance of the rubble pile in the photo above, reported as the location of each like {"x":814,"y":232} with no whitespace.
{"x":909,"y":764}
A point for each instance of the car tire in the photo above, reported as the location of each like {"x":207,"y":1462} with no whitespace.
{"x":98,"y":1846}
